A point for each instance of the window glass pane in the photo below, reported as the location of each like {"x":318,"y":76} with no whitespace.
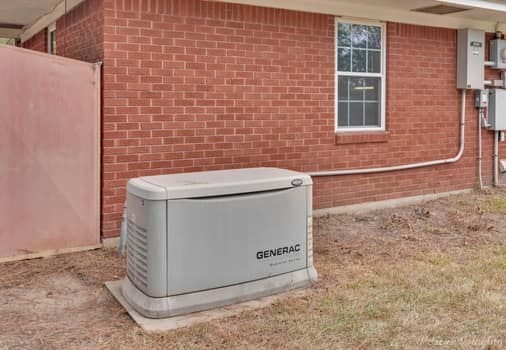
{"x":359,"y":61}
{"x":343,"y":60}
{"x":342,"y":114}
{"x":359,"y":98}
{"x":343,"y":34}
{"x":372,"y":88}
{"x":372,"y":114}
{"x":359,"y":35}
{"x":342,"y":88}
{"x":356,"y":89}
{"x":356,"y":114}
{"x":374,"y":37}
{"x":374,"y":61}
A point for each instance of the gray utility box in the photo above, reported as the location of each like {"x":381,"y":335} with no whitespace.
{"x":498,"y":53}
{"x":497,"y":109}
{"x":201,"y":240}
{"x":470,"y":59}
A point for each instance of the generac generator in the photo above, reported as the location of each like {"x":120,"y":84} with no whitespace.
{"x":201,"y":240}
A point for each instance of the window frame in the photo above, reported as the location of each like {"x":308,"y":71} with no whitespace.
{"x":381,"y":75}
{"x":51,"y":29}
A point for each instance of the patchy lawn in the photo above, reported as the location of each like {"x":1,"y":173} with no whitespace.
{"x":417,"y":277}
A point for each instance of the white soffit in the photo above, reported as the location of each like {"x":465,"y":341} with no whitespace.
{"x":49,"y":18}
{"x":499,"y":6}
{"x":15,"y":15}
{"x":25,"y":18}
{"x":399,"y":11}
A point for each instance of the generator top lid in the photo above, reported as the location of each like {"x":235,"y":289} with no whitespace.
{"x":215,"y":183}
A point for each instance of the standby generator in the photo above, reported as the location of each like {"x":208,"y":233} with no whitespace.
{"x":201,"y":240}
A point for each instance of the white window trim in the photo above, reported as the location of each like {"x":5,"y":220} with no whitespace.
{"x":383,"y":75}
{"x":50,"y":29}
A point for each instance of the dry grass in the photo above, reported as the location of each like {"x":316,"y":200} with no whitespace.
{"x":418,"y":277}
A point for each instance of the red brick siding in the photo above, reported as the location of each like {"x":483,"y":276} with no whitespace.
{"x":38,"y":42}
{"x":80,"y":34}
{"x":196,"y":85}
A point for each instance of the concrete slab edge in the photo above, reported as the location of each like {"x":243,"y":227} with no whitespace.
{"x":385,"y":204}
{"x":110,"y":243}
{"x":175,"y":322}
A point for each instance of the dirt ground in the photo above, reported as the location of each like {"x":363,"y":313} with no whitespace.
{"x":426,"y":276}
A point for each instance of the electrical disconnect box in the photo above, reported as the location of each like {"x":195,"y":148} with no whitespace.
{"x":470,"y":59}
{"x":498,"y":53}
{"x":497,"y":109}
{"x":481,"y":98}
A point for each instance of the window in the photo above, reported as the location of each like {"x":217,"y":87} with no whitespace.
{"x":51,"y":39}
{"x":360,"y":76}
{"x":7,"y":41}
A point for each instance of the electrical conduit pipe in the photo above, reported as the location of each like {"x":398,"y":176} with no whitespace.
{"x":407,"y":166}
{"x":496,"y":158}
{"x":480,"y":152}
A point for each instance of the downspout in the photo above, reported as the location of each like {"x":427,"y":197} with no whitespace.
{"x":407,"y":166}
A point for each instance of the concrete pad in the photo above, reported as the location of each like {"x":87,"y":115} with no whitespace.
{"x":171,"y":323}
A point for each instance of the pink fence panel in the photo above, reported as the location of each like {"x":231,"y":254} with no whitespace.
{"x":49,"y":152}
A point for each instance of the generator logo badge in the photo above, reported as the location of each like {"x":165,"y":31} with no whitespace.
{"x":264,"y":254}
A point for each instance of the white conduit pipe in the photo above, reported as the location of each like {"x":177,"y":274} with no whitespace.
{"x":123,"y":231}
{"x":407,"y":166}
{"x":480,"y":177}
{"x":496,"y":158}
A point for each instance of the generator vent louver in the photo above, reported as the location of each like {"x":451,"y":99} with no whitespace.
{"x":441,"y":9}
{"x":137,"y":258}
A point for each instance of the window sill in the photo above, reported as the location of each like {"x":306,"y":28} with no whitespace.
{"x":346,"y":138}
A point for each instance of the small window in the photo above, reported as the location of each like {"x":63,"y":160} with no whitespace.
{"x":7,"y":41}
{"x":360,"y":76}
{"x":51,"y":39}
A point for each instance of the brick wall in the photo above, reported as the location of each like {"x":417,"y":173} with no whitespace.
{"x":79,"y":34}
{"x":197,"y":85}
{"x":38,"y":42}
